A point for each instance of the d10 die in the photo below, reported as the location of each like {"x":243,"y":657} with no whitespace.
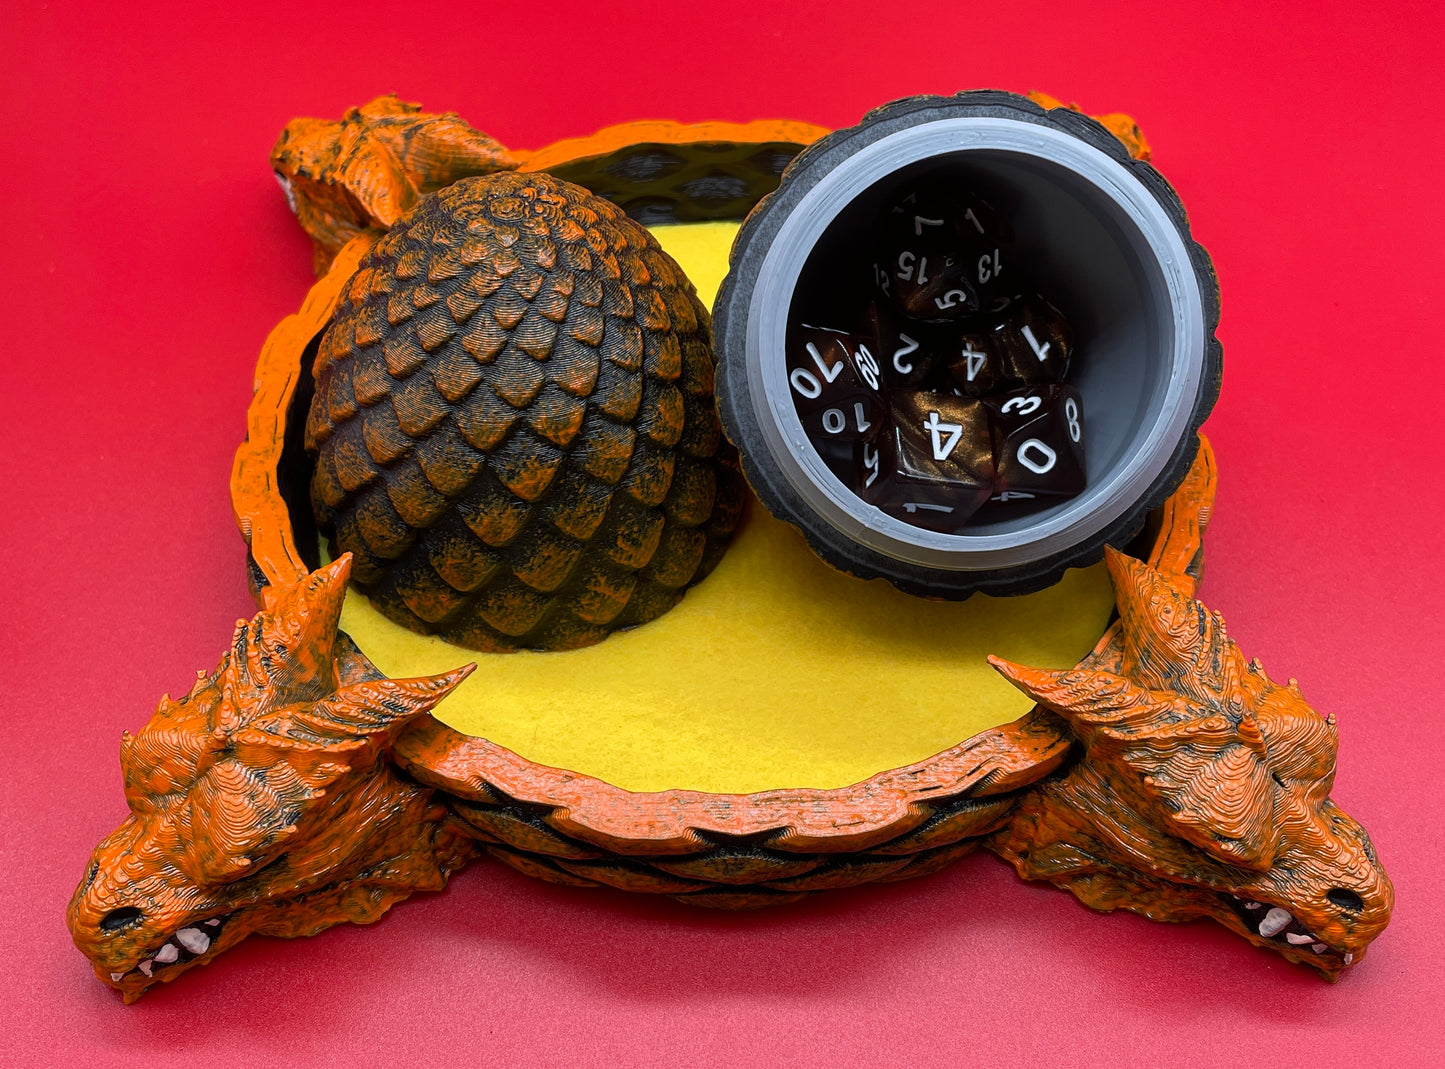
{"x":1038,"y":443}
{"x":941,"y":253}
{"x":1027,"y":344}
{"x":933,"y":467}
{"x":834,"y":379}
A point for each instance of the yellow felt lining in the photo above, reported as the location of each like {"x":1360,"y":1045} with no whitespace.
{"x":775,"y":671}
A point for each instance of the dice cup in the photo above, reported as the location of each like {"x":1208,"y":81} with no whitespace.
{"x":1103,"y":235}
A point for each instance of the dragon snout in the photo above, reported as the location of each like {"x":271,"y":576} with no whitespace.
{"x":1326,"y":922}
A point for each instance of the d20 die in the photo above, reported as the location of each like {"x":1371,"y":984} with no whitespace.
{"x":1038,"y":438}
{"x":933,"y":466}
{"x":941,"y":252}
{"x":834,"y":380}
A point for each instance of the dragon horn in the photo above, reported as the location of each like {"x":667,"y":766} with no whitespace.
{"x":291,"y":644}
{"x":1087,"y":698}
{"x":1171,"y":641}
{"x":359,"y":719}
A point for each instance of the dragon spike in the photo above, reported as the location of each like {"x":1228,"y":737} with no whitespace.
{"x":1171,"y":641}
{"x":292,"y":642}
{"x":1088,"y":699}
{"x":372,"y":710}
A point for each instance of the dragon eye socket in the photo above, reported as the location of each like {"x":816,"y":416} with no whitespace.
{"x":120,"y":918}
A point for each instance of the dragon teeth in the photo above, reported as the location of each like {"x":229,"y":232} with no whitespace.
{"x":1318,"y":948}
{"x":167,"y":954}
{"x":194,"y":940}
{"x":146,"y":966}
{"x":116,"y":975}
{"x":1298,"y":939}
{"x":1349,"y":958}
{"x":214,"y":922}
{"x":1275,"y":921}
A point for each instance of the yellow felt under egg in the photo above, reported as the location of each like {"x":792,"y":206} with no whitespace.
{"x":775,"y":671}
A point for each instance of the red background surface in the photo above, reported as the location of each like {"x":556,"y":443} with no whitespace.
{"x":147,"y":252}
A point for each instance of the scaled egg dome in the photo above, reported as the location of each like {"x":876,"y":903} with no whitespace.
{"x":513,"y":423}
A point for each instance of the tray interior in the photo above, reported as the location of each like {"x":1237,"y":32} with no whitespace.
{"x":776,"y":671}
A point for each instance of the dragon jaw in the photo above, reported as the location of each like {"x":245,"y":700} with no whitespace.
{"x":262,"y":802}
{"x":1202,"y":789}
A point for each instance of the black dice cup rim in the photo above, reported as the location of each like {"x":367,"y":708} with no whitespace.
{"x":1103,"y":236}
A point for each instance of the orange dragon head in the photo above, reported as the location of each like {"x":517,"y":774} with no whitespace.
{"x":373,"y":165}
{"x":1202,"y":790}
{"x":261,"y":801}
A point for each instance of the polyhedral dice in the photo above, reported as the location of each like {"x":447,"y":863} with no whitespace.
{"x":1035,"y":341}
{"x":933,"y":465}
{"x":1027,"y":344}
{"x":909,"y":351}
{"x":977,"y":365}
{"x":834,"y":380}
{"x":1038,"y":441}
{"x":942,"y":253}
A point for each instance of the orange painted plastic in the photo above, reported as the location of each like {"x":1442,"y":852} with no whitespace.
{"x":624,"y":135}
{"x":294,"y":788}
{"x":1202,"y":788}
{"x":263,"y":801}
{"x":375,"y":163}
{"x":1117,"y":123}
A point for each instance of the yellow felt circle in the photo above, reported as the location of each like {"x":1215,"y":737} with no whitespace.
{"x":775,"y":671}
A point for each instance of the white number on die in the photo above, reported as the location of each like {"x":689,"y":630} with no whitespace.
{"x":1071,"y":413}
{"x":919,"y":223}
{"x":1024,"y":406}
{"x":867,"y":366}
{"x":1011,"y":495}
{"x":835,"y":422}
{"x":829,"y":373}
{"x":989,"y":267}
{"x":870,"y":463}
{"x":1037,"y":457}
{"x":1041,"y":351}
{"x":937,"y":430}
{"x":905,"y":267}
{"x":974,"y":361}
{"x":806,"y":383}
{"x":950,"y":299}
{"x":908,"y":346}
